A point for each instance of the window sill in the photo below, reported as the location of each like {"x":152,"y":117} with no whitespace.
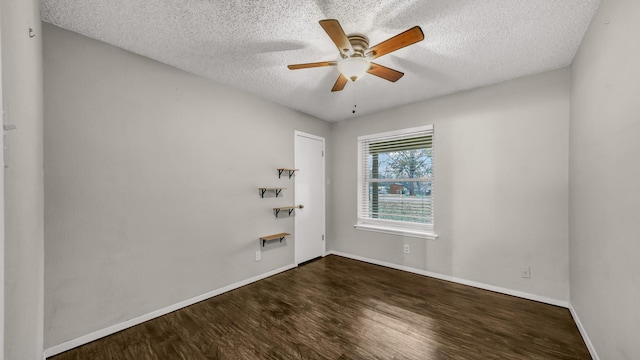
{"x":397,"y":231}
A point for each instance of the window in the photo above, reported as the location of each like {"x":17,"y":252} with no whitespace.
{"x":395,"y":182}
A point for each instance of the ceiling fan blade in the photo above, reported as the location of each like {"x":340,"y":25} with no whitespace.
{"x":312,"y":65}
{"x":340,"y":83}
{"x":399,"y":41}
{"x":385,"y":72}
{"x":337,"y":35}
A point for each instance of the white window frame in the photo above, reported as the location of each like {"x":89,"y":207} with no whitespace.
{"x":402,"y":228}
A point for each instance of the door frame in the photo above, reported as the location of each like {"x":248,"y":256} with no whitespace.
{"x":1,"y":210}
{"x":296,"y":134}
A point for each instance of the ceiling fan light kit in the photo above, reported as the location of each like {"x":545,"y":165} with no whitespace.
{"x":357,"y":55}
{"x":354,"y":68}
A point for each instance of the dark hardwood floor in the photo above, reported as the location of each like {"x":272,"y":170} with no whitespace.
{"x":337,"y":308}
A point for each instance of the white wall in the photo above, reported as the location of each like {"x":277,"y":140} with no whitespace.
{"x":23,"y":182}
{"x":501,"y":190}
{"x":151,"y":178}
{"x":605,"y":181}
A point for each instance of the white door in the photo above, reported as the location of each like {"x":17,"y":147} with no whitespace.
{"x":309,"y":192}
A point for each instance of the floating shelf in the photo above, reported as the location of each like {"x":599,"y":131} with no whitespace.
{"x":263,"y":190}
{"x":277,"y":210}
{"x":291,"y":172}
{"x":280,"y":237}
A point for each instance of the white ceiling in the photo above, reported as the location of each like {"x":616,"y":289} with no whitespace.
{"x":248,"y":44}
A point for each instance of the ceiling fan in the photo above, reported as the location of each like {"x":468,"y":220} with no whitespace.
{"x":357,"y":55}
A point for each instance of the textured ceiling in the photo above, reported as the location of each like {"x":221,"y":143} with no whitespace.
{"x":248,"y":44}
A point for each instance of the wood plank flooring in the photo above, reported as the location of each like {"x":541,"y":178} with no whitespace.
{"x":338,"y":308}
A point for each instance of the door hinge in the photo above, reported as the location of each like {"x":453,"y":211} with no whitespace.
{"x":322,"y":237}
{"x":322,"y":153}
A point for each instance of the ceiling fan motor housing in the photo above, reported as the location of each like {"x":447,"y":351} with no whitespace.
{"x":359,"y":43}
{"x":355,"y":64}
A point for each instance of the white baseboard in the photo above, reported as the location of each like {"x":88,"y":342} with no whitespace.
{"x":68,"y":345}
{"x":583,"y":332}
{"x":520,"y":294}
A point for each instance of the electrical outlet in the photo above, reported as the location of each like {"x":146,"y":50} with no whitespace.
{"x":525,"y":272}
{"x":407,"y":249}
{"x":258,"y":255}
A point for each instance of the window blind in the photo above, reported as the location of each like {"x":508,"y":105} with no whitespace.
{"x":396,"y":177}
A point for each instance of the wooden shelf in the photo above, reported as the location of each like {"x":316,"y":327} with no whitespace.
{"x":263,"y":190}
{"x":280,"y":237}
{"x":277,"y":210}
{"x":290,"y":171}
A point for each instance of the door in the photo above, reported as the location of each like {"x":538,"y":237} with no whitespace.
{"x":309,"y":192}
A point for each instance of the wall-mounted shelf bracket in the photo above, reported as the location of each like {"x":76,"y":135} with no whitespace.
{"x":290,"y":171}
{"x":262,"y":191}
{"x":280,"y":237}
{"x":290,"y":209}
